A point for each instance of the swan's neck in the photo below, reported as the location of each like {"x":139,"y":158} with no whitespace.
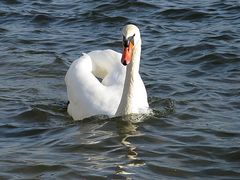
{"x":126,"y":105}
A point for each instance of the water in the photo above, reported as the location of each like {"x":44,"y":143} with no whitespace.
{"x":191,"y":68}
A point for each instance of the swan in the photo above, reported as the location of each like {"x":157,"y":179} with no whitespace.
{"x":105,"y":82}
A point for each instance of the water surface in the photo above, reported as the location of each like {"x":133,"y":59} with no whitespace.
{"x":190,"y":66}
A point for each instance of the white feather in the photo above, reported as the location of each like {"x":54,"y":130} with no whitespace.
{"x":115,"y":94}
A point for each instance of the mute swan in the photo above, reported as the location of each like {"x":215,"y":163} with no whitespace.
{"x":121,"y":90}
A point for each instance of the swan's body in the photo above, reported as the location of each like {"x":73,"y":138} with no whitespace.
{"x":121,"y":91}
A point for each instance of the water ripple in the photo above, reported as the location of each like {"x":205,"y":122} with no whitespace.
{"x":184,"y":14}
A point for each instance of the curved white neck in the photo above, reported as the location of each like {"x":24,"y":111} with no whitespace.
{"x":126,"y":105}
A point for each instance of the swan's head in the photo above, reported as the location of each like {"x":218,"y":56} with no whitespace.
{"x":131,"y":37}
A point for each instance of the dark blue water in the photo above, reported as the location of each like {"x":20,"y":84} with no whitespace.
{"x":190,"y":66}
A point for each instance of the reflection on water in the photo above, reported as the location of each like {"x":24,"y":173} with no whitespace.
{"x":127,"y":128}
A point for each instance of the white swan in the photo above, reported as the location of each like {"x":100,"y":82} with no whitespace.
{"x":121,"y":90}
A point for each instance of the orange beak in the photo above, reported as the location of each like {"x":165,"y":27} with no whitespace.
{"x":127,"y":54}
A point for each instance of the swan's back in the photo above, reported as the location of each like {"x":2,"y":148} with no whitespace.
{"x":87,"y":95}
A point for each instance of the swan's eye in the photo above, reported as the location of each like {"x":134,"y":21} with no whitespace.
{"x":126,"y":41}
{"x":132,"y":39}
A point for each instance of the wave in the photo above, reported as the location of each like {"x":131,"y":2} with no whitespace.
{"x":183,"y":14}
